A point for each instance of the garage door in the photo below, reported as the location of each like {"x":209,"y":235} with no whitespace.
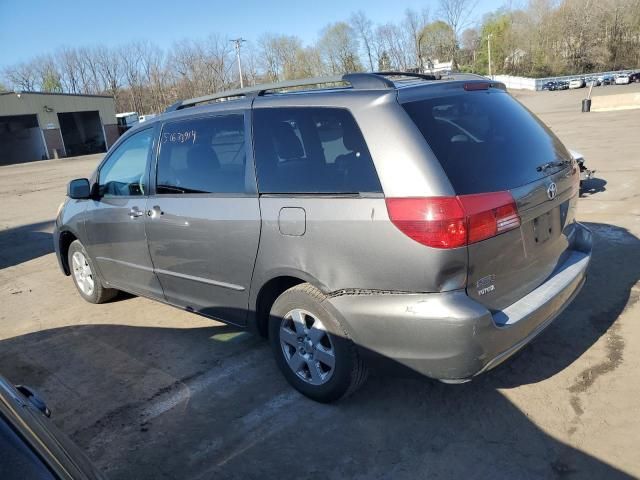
{"x":82,"y":133}
{"x":21,"y":139}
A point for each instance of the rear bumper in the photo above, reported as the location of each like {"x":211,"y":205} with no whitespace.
{"x":448,"y":335}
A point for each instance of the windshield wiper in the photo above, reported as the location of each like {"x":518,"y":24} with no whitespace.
{"x":547,"y":165}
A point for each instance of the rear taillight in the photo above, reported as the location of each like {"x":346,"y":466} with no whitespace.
{"x":436,"y":221}
{"x":449,"y":222}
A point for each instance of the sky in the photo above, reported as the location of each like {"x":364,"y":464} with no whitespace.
{"x":33,"y":27}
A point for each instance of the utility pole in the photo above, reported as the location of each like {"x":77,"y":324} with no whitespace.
{"x":489,"y":46}
{"x":238,"y":43}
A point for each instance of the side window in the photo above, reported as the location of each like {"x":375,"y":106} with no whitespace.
{"x":124,"y":172}
{"x":203,"y":155}
{"x":18,"y":459}
{"x":311,"y":150}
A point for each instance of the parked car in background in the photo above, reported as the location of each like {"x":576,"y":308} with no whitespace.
{"x":344,"y":224}
{"x":550,"y":86}
{"x":622,"y":79}
{"x":592,"y":81}
{"x":562,"y":85}
{"x":606,"y":79}
{"x":576,"y":83}
{"x":126,"y":120}
{"x":31,"y":447}
{"x":147,"y":117}
{"x":634,"y":77}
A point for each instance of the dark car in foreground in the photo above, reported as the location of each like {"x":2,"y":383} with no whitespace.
{"x":425,"y":220}
{"x":30,"y":445}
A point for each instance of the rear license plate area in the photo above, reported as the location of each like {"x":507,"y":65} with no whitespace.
{"x":542,"y":228}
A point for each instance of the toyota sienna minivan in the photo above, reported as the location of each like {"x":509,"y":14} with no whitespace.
{"x":429,"y":221}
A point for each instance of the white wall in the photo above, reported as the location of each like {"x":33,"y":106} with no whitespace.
{"x":520,"y":83}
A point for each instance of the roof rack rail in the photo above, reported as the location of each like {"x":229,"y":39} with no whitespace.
{"x":423,"y":76}
{"x":359,"y":81}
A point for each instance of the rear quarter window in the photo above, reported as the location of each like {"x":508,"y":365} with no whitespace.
{"x":485,"y":140}
{"x":311,"y":150}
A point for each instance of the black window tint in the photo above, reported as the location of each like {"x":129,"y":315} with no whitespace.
{"x":202,"y":155}
{"x":18,"y":460}
{"x":486,"y":141}
{"x":124,"y":172}
{"x":311,"y":150}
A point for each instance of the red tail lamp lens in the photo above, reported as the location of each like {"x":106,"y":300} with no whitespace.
{"x":450,"y":222}
{"x":436,"y":221}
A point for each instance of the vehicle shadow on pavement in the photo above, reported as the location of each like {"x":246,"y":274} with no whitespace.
{"x":607,"y":292}
{"x":149,"y":402}
{"x":592,"y":186}
{"x":24,"y":243}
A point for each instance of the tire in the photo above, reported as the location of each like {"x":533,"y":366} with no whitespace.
{"x":306,"y":364}
{"x":84,"y":275}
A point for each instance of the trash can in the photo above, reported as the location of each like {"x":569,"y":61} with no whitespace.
{"x":586,"y":105}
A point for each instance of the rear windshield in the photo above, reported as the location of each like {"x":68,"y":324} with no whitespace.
{"x":485,"y":140}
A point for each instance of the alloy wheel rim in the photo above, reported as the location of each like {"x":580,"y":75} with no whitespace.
{"x":307,"y":347}
{"x":82,"y":273}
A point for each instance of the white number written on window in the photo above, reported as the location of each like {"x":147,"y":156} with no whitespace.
{"x":188,"y":136}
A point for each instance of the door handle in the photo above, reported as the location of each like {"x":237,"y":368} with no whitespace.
{"x":135,"y":212}
{"x":155,"y":212}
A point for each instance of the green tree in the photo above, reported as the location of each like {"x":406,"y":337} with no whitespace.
{"x":498,"y":25}
{"x":51,"y":82}
{"x":439,"y":41}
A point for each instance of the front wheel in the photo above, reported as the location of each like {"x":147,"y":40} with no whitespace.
{"x":84,"y":276}
{"x":311,"y":348}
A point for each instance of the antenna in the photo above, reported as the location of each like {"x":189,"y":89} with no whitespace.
{"x":238,"y":44}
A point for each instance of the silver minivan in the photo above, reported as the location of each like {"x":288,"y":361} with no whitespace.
{"x":429,"y":221}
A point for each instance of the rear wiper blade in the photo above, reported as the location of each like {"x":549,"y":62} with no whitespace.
{"x":547,"y":165}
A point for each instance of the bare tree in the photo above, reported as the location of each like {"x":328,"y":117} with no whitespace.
{"x":280,"y":54}
{"x":66,"y":59}
{"x":457,"y":13}
{"x":23,"y":76}
{"x":470,"y":43}
{"x":415,"y":23}
{"x":394,"y":44}
{"x":364,"y":28}
{"x":110,"y":70}
{"x":338,"y":47}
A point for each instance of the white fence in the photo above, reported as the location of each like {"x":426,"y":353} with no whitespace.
{"x":521,"y":83}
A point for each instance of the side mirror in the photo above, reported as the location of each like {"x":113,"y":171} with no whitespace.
{"x":79,"y":189}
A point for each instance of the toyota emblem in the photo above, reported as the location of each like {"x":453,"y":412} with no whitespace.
{"x":552,"y":191}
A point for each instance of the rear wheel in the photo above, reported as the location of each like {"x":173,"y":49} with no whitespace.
{"x":311,"y":348}
{"x":84,"y":276}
